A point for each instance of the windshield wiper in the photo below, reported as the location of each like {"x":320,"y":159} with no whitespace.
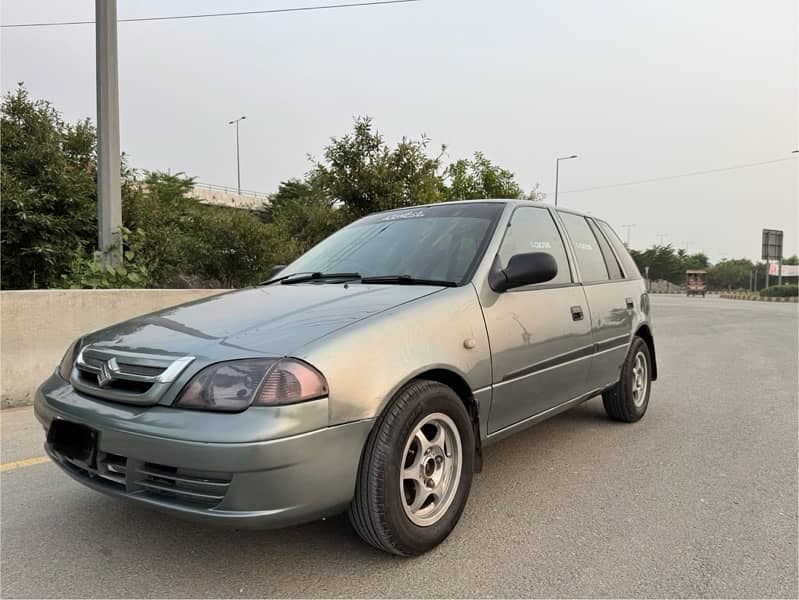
{"x":302,"y":278}
{"x":407,"y":280}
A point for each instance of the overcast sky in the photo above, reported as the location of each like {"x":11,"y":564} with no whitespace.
{"x":638,"y":88}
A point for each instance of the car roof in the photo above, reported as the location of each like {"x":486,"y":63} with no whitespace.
{"x":509,"y":201}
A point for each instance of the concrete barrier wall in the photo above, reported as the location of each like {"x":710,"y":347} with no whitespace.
{"x":757,"y":297}
{"x":38,"y":325}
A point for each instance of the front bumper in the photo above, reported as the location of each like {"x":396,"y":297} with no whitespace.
{"x":282,"y":479}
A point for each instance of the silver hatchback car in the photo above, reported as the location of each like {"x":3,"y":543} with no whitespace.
{"x":365,"y":377}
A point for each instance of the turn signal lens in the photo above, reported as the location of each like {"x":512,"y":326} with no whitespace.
{"x":291,"y":381}
{"x":68,"y":361}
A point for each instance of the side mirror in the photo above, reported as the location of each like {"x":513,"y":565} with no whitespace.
{"x":522,"y":269}
{"x":275,"y":270}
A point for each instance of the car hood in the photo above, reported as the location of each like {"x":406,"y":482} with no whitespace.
{"x":272,"y":320}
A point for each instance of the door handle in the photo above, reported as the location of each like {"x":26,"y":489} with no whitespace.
{"x":630,"y":303}
{"x":577,"y":313}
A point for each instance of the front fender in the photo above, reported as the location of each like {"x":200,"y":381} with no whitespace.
{"x":366,"y":364}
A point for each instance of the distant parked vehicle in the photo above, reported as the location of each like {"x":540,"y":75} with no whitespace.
{"x":695,"y":283}
{"x":367,"y":376}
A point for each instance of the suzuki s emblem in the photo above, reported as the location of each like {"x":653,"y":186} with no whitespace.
{"x":105,"y":376}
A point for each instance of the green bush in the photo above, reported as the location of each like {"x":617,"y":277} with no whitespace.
{"x":88,"y":272}
{"x":228,"y":245}
{"x":189,"y":244}
{"x":160,"y":204}
{"x":782,"y":291}
{"x":47,"y":192}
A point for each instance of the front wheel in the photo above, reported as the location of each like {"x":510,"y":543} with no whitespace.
{"x":628,"y":399}
{"x":416,"y":471}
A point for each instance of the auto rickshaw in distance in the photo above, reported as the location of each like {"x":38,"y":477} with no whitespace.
{"x":695,"y":283}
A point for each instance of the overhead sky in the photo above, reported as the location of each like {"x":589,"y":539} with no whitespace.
{"x":639,"y":89}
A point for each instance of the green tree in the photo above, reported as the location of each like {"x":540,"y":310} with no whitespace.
{"x":362,"y":173}
{"x":731,"y":274}
{"x":666,"y":263}
{"x":161,"y":205}
{"x":229,"y":245}
{"x":468,"y":179}
{"x":191,"y":244}
{"x":47,"y":191}
{"x":662,"y":261}
{"x":695,"y":261}
{"x":300,"y":215}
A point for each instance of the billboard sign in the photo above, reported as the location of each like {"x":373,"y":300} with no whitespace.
{"x":772,"y":244}
{"x":787,"y":270}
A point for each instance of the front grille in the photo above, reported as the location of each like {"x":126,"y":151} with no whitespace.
{"x":96,"y":363}
{"x":93,"y":362}
{"x":174,"y":485}
{"x":123,"y":385}
{"x":122,"y":376}
{"x":140,"y":369}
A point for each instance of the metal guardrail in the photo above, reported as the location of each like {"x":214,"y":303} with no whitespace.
{"x":231,"y":190}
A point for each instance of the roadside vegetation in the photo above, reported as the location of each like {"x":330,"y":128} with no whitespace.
{"x":49,"y":209}
{"x":670,"y":264}
{"x":49,"y":213}
{"x":781,"y":291}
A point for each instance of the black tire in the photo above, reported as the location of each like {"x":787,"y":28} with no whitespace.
{"x":377,"y":512}
{"x":620,"y":401}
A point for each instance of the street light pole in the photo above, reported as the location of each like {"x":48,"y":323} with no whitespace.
{"x":238,"y":164}
{"x":109,"y":195}
{"x":630,"y":226}
{"x":557,"y":173}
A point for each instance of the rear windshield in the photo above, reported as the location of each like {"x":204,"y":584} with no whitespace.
{"x":627,"y":262}
{"x":442,"y":242}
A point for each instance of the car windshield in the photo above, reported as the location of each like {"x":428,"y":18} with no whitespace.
{"x":441,"y":242}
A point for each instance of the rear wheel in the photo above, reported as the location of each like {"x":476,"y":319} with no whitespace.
{"x":416,"y":471}
{"x":628,"y":399}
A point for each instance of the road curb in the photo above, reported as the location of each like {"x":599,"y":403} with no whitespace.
{"x":757,"y":298}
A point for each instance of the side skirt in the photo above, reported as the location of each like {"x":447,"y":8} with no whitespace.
{"x":542,"y":416}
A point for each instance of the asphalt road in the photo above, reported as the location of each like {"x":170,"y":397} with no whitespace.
{"x":697,"y":499}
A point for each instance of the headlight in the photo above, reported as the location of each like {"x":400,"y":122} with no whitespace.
{"x":235,"y":385}
{"x":68,"y":361}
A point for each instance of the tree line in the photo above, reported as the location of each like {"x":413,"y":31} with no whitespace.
{"x":664,"y":262}
{"x":49,"y":205}
{"x":48,"y":234}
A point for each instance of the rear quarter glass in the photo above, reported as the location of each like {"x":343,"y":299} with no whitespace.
{"x":627,"y":262}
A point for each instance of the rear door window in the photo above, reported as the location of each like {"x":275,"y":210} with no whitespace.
{"x":533,"y":229}
{"x":586,"y":248}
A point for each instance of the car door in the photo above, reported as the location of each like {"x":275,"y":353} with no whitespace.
{"x":540,"y":335}
{"x":609,"y":298}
